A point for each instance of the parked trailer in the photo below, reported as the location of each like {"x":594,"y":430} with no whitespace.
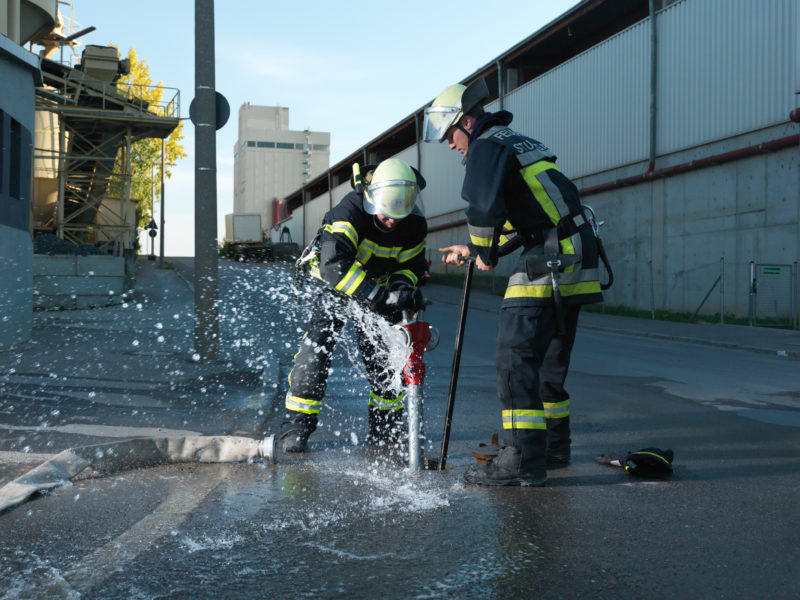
{"x":245,"y":237}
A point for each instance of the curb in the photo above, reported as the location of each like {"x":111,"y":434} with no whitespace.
{"x":792,"y":354}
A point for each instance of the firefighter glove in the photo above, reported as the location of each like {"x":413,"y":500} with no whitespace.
{"x":405,"y":298}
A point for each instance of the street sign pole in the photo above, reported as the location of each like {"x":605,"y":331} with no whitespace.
{"x":161,"y":255}
{"x":206,"y":292}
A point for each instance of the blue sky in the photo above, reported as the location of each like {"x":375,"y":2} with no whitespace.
{"x":353,"y":69}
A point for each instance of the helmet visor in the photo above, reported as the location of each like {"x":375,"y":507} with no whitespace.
{"x":394,"y":198}
{"x":438,"y":119}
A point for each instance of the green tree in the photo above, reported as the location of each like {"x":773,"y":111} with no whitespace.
{"x":146,"y":153}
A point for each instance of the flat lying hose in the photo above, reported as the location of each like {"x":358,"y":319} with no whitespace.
{"x":132,"y":454}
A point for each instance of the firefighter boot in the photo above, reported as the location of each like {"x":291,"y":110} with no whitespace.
{"x":296,"y":430}
{"x":386,"y":427}
{"x":521,"y":464}
{"x":558,"y":443}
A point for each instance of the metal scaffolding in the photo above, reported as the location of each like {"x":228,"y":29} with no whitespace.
{"x":98,"y":122}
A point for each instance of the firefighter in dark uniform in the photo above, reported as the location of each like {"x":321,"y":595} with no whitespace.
{"x":518,"y":198}
{"x":371,"y":255}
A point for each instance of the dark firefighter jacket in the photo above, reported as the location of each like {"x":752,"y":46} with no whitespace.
{"x":355,"y":254}
{"x":518,"y":198}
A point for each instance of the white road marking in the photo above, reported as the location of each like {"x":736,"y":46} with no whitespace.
{"x":112,"y":431}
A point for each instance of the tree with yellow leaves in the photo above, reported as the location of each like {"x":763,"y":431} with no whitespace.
{"x":146,"y":153}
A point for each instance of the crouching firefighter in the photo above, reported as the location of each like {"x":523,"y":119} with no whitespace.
{"x":518,"y":198}
{"x":369,"y":256}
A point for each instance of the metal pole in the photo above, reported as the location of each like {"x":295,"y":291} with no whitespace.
{"x":62,"y":175}
{"x":751,"y":310}
{"x":451,"y":394}
{"x":161,"y":256}
{"x":413,"y":402}
{"x":653,"y":84}
{"x":152,"y":211}
{"x":126,"y":187}
{"x":793,"y":300}
{"x":500,"y":84}
{"x":722,"y":290}
{"x":652,"y":284}
{"x":206,"y":293}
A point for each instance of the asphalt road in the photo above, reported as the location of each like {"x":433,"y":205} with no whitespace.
{"x":343,"y":521}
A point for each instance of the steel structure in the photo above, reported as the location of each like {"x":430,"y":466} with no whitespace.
{"x":97,"y":120}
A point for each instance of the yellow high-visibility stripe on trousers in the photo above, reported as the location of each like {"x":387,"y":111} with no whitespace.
{"x":303,"y":405}
{"x":556,"y":410}
{"x":524,"y":419}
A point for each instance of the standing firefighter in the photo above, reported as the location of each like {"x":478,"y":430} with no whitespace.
{"x":518,"y":198}
{"x":371,"y":255}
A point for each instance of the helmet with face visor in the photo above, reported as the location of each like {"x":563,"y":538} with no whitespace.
{"x":393,"y":190}
{"x":453,"y":103}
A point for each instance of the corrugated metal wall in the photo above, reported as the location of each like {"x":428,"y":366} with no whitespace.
{"x":724,"y":68}
{"x":592,"y":111}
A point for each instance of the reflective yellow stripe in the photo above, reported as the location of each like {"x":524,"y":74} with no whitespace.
{"x":409,"y":254}
{"x":345,"y":228}
{"x":303,"y":405}
{"x":524,"y":419}
{"x":406,"y":273}
{"x":546,"y":202}
{"x":546,"y":291}
{"x":483,"y":242}
{"x":504,"y":239}
{"x":351,"y":280}
{"x":529,"y":175}
{"x":385,"y":403}
{"x":368,"y":247}
{"x":556,"y":410}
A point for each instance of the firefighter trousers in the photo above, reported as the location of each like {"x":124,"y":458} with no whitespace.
{"x":309,"y":377}
{"x":532,"y":363}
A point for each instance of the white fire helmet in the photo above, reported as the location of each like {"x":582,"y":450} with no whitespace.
{"x":393,"y":190}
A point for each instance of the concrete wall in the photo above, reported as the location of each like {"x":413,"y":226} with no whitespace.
{"x":75,"y":282}
{"x":666,"y":238}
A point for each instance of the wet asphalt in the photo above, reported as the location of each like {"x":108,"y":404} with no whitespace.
{"x":347,"y":521}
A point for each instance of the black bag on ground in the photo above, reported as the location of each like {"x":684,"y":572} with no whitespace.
{"x":649,"y":462}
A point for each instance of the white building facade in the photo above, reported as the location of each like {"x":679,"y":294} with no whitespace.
{"x":270,"y":160}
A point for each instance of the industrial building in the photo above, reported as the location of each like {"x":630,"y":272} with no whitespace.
{"x":677,"y":120}
{"x":270,"y":160}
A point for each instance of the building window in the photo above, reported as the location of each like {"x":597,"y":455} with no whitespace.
{"x":15,"y":175}
{"x":266,"y":144}
{"x":251,"y":144}
{"x":320,"y":147}
{"x":286,"y":145}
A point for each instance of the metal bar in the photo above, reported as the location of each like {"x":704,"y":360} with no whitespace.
{"x":751,"y":309}
{"x":794,"y":295}
{"x":451,"y":394}
{"x":62,"y":177}
{"x":161,"y":241}
{"x":713,"y":285}
{"x":653,"y":84}
{"x":126,"y":190}
{"x":414,"y":406}
{"x":722,"y":290}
